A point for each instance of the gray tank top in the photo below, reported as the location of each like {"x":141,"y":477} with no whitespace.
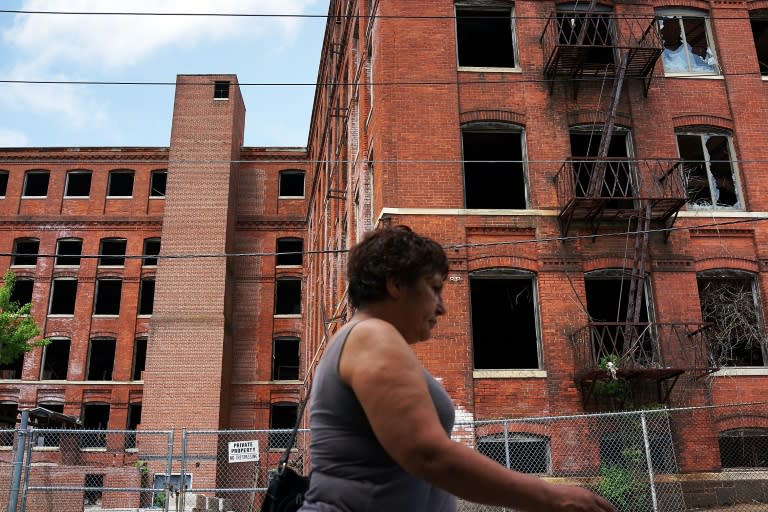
{"x":351,"y":471}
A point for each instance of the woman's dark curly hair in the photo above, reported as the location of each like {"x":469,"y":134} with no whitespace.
{"x":395,"y":252}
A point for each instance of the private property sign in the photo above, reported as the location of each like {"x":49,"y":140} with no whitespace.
{"x":244,"y":451}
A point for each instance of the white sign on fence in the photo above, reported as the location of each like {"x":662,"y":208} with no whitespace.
{"x":243,"y":451}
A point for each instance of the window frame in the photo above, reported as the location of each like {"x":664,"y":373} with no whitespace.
{"x":66,"y":184}
{"x":157,"y":172}
{"x":278,"y":253}
{"x":5,"y":176}
{"x":145,"y":253}
{"x":282,"y":339}
{"x":115,"y":172}
{"x":506,"y":439}
{"x":27,"y":174}
{"x":97,"y":292}
{"x":279,"y":279}
{"x":103,"y":255}
{"x":45,"y":356}
{"x":31,"y":255}
{"x":490,"y":6}
{"x":286,"y":172}
{"x":58,"y":254}
{"x":739,"y":433}
{"x":713,"y":206}
{"x":664,"y":15}
{"x":51,"y":297}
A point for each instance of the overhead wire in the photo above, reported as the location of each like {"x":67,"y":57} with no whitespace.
{"x":447,"y":247}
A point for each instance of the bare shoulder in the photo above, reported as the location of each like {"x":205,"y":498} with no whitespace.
{"x":372,"y":347}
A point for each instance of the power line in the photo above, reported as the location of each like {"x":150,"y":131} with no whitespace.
{"x":4,"y":159}
{"x":445,"y":247}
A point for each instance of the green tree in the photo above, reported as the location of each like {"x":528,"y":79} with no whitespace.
{"x":17,"y":327}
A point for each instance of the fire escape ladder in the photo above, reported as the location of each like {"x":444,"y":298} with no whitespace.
{"x":637,"y":278}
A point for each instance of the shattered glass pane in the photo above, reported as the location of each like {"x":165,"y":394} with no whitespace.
{"x":686,"y":47}
{"x":708,"y":171}
{"x":723,"y":183}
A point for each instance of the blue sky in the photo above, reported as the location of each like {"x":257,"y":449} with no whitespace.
{"x":152,"y":49}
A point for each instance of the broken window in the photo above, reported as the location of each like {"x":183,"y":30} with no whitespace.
{"x":63,"y":295}
{"x":22,"y":291}
{"x":494,"y":171}
{"x":525,"y":453}
{"x":607,"y":305}
{"x":729,"y":299}
{"x":36,"y":183}
{"x":3,"y":183}
{"x":9,"y":413}
{"x":291,"y":184}
{"x":744,"y":448}
{"x":68,"y":251}
{"x":101,"y":359}
{"x":288,"y":296}
{"x":687,"y":46}
{"x":485,"y":34}
{"x":594,"y":32}
{"x":504,"y":325}
{"x":44,"y":438}
{"x":709,"y":170}
{"x":616,"y":178}
{"x":25,"y":251}
{"x":157,"y":183}
{"x":759,"y":21}
{"x":139,"y":358}
{"x":134,"y":420}
{"x":151,"y":248}
{"x":289,"y":251}
{"x":13,"y":369}
{"x":55,"y":360}
{"x":220,"y":90}
{"x":146,"y":296}
{"x":285,"y":358}
{"x":78,"y":184}
{"x":108,"y":291}
{"x":112,"y":252}
{"x":95,"y":417}
{"x":282,"y":416}
{"x":94,"y":486}
{"x":120,"y":183}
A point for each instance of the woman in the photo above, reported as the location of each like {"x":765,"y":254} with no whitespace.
{"x":380,"y":423}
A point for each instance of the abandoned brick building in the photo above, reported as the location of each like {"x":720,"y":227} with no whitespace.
{"x":594,"y":169}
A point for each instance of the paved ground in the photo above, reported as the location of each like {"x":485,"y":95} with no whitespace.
{"x":757,"y":507}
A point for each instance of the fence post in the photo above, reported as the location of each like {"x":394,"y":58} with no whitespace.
{"x":183,"y":475}
{"x":13,"y":497}
{"x":649,"y":462}
{"x":27,"y":468}
{"x":168,"y":471}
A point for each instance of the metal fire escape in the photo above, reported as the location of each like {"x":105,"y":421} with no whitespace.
{"x":587,"y":43}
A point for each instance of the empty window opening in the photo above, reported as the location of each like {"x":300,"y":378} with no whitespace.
{"x":12,"y":370}
{"x":288,"y":296}
{"x":9,"y":412}
{"x":68,"y":252}
{"x":157,"y":183}
{"x":607,"y":304}
{"x":50,"y":439}
{"x":25,"y":251}
{"x":120,"y":184}
{"x":139,"y":358}
{"x":687,"y":47}
{"x":708,"y":170}
{"x":146,"y":296}
{"x":221,"y":90}
{"x":744,"y":448}
{"x":282,"y":416}
{"x":289,"y":251}
{"x":485,"y":37}
{"x":134,"y":420}
{"x":729,"y":299}
{"x":112,"y":252}
{"x":759,"y":22}
{"x":594,"y":32}
{"x":621,"y":449}
{"x":56,"y":360}
{"x":504,"y":326}
{"x":151,"y":248}
{"x":36,"y":184}
{"x":285,"y":359}
{"x":291,"y":184}
{"x":63,"y":295}
{"x":78,"y":184}
{"x":107,"y":300}
{"x":524,"y":453}
{"x":494,"y":173}
{"x":94,"y":485}
{"x":3,"y":183}
{"x":22,"y":291}
{"x":95,"y":417}
{"x":101,"y":358}
{"x":618,"y":180}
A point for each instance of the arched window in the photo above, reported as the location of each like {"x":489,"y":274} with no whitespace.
{"x":744,"y":448}
{"x":36,"y":183}
{"x":288,"y":296}
{"x":120,"y":183}
{"x":282,"y":416}
{"x":25,"y":252}
{"x":78,"y":183}
{"x":526,"y":453}
{"x":68,"y":251}
{"x":710,"y":172}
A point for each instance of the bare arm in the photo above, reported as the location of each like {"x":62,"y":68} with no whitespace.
{"x":388,"y":381}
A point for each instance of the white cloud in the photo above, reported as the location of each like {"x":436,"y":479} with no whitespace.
{"x":12,"y":138}
{"x":118,"y":42}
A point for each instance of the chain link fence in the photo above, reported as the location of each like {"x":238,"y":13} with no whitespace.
{"x":666,"y":460}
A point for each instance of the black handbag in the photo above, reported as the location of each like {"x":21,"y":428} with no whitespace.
{"x":286,"y":487}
